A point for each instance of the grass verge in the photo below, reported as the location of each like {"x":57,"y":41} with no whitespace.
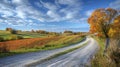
{"x":99,"y":59}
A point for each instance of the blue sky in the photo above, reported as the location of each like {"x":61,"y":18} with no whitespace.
{"x":50,"y":15}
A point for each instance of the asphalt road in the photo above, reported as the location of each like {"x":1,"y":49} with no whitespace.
{"x":77,"y":58}
{"x":22,"y":60}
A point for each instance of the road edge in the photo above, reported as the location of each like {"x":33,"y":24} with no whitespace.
{"x":55,"y":55}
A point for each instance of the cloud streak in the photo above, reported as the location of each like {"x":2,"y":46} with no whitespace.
{"x":115,"y":4}
{"x":19,"y":12}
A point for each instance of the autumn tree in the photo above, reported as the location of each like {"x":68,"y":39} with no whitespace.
{"x":101,"y":22}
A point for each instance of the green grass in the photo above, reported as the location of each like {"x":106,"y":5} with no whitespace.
{"x":6,"y":35}
{"x":9,"y":54}
{"x":4,"y":32}
{"x":30,"y":35}
{"x":100,"y":60}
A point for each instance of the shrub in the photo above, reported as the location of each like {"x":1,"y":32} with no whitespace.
{"x":47,"y":45}
{"x":19,"y":37}
{"x":3,"y":48}
{"x":1,"y":39}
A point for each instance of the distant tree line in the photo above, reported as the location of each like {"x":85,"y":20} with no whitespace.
{"x":45,"y":32}
{"x":66,"y":32}
{"x":39,"y":31}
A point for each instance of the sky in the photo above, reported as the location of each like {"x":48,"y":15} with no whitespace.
{"x":50,"y":15}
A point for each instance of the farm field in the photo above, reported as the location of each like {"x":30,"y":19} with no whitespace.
{"x":7,"y":36}
{"x":37,"y":44}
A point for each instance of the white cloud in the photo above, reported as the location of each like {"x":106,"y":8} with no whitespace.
{"x":49,"y":6}
{"x":53,"y":15}
{"x":7,"y":1}
{"x":21,"y":14}
{"x":68,"y":2}
{"x":115,"y":4}
{"x":89,"y":12}
{"x":69,"y":15}
{"x":17,"y":1}
{"x":16,"y":12}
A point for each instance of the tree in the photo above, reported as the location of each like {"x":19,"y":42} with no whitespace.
{"x":32,"y":31}
{"x":8,"y":29}
{"x":13,"y":31}
{"x":101,"y":22}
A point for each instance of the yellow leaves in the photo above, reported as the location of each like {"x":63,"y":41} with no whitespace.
{"x":115,"y":30}
{"x":116,"y":21}
{"x":111,"y":32}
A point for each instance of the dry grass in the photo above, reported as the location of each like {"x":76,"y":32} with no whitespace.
{"x":112,"y":57}
{"x":114,"y":51}
{"x":26,"y":43}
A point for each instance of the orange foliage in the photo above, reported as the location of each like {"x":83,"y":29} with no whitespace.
{"x":101,"y":21}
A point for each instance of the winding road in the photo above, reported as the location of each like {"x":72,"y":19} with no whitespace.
{"x":76,"y":58}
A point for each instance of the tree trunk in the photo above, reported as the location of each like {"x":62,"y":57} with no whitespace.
{"x":106,"y":44}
